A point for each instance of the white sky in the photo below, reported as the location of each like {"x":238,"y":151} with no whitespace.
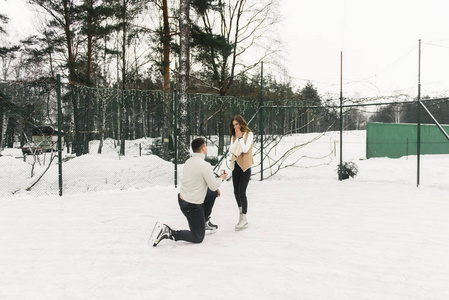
{"x":379,"y":40}
{"x":21,"y":18}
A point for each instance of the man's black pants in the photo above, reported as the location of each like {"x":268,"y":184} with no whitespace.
{"x":196,"y":215}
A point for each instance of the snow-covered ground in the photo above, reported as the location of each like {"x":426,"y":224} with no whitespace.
{"x":376,"y":236}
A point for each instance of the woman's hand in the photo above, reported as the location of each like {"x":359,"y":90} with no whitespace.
{"x":238,"y":133}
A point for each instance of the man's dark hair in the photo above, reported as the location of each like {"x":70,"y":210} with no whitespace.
{"x":197,"y":144}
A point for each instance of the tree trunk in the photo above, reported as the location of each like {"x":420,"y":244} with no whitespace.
{"x":166,"y":46}
{"x":89,"y":42}
{"x":88,"y":136}
{"x":73,"y":79}
{"x":221,"y":134}
{"x":184,"y":69}
{"x":3,"y":124}
{"x":124,"y":114}
{"x":123,"y":117}
{"x":77,"y":124}
{"x":86,"y":122}
{"x":102,"y":123}
{"x":166,"y":84}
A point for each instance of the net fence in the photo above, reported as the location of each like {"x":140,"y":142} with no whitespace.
{"x":120,"y":139}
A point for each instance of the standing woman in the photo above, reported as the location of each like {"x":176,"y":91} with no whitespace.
{"x":241,"y":161}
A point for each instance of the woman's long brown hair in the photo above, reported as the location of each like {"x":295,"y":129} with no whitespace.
{"x":242,"y":123}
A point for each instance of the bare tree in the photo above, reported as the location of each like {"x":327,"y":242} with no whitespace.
{"x":226,"y":36}
{"x":231,"y":38}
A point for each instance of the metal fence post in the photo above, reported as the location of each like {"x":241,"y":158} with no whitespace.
{"x":58,"y":94}
{"x":340,"y":167}
{"x":418,"y":139}
{"x":261,"y":122}
{"x":175,"y":132}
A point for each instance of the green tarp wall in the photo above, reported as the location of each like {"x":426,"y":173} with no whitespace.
{"x":397,"y":140}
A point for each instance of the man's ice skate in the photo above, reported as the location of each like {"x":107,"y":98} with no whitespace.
{"x":210,"y":228}
{"x":160,"y":232}
{"x":243,"y":223}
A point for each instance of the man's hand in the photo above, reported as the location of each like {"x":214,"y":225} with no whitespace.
{"x":223,"y":176}
{"x":218,"y":193}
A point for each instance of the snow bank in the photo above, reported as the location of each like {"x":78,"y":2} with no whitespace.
{"x":312,"y":157}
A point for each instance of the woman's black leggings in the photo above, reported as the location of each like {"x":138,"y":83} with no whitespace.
{"x":240,"y":180}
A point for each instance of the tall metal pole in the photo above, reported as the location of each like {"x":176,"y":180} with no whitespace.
{"x":261,"y":122}
{"x":58,"y":95}
{"x":341,"y":117}
{"x":175,"y":133}
{"x":418,"y":140}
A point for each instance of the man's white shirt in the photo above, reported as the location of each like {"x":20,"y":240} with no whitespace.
{"x":198,"y":175}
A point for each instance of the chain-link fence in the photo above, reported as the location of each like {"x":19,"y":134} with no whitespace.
{"x":119,"y":139}
{"x":111,"y":139}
